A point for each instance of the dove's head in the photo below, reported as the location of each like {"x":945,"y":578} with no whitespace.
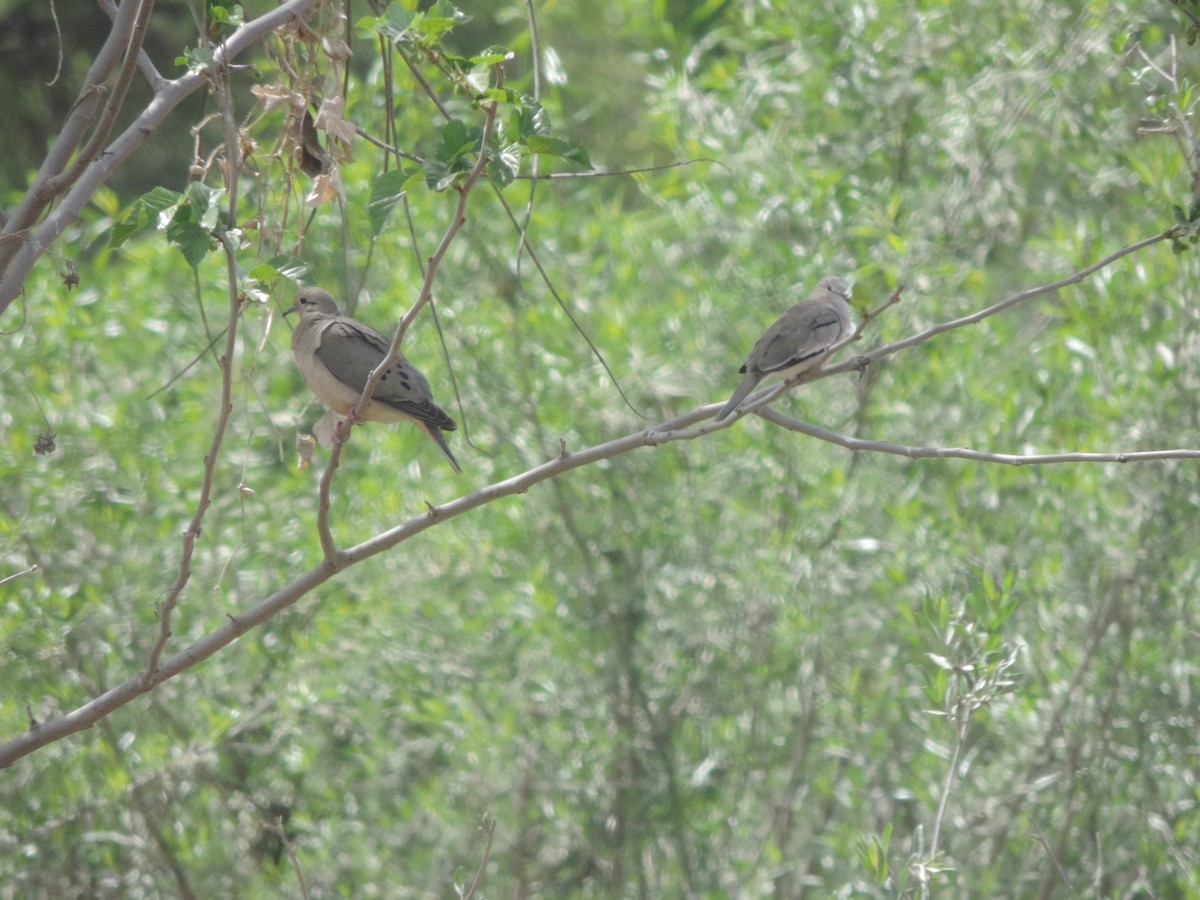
{"x":834,"y":286}
{"x":313,"y":301}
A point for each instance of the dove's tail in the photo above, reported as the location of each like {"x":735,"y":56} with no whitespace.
{"x":436,"y":434}
{"x":748,"y":384}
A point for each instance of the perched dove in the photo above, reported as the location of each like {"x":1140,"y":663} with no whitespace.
{"x":798,"y":341}
{"x":336,"y":355}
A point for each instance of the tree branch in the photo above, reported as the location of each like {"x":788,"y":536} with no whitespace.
{"x":15,"y":265}
{"x":456,"y":222}
{"x":1073,"y":278}
{"x":79,"y":122}
{"x":233,"y":165}
{"x":1007,"y":459}
{"x":679,"y":428}
{"x":758,"y":402}
{"x":1187,"y":12}
{"x":674,"y":430}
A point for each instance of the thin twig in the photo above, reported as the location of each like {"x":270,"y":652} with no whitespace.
{"x":174,"y":378}
{"x":757,"y":402}
{"x":962,"y":721}
{"x":425,"y":85}
{"x":58,"y":33}
{"x":1187,"y":12}
{"x":233,"y":165}
{"x":613,"y":173}
{"x":562,"y":304}
{"x":384,"y":145}
{"x":1006,"y":459}
{"x":489,"y":829}
{"x":1073,"y":278}
{"x":15,"y":575}
{"x":328,"y":545}
{"x":276,"y":828}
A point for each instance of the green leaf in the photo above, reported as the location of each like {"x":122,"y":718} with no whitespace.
{"x":530,"y":119}
{"x":491,"y":56}
{"x":548,"y":146}
{"x":372,"y":24}
{"x":192,"y":239}
{"x":206,"y":201}
{"x":144,"y":214}
{"x":224,"y":12}
{"x":444,"y":9}
{"x":396,"y":22}
{"x":504,"y":165}
{"x":277,"y":267}
{"x":386,"y":191}
{"x":196,"y":59}
{"x":455,"y":141}
{"x":438,"y":175}
{"x":289,"y":267}
{"x":436,"y":26}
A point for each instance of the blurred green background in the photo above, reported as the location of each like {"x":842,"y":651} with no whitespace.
{"x":741,"y":666}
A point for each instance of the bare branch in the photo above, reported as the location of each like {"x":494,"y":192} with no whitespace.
{"x":145,"y":64}
{"x":456,"y":222}
{"x":116,"y":99}
{"x":79,"y":122}
{"x":1006,"y":459}
{"x":1073,"y":278}
{"x":233,"y":165}
{"x":1187,"y":12}
{"x":276,"y":827}
{"x":15,"y":575}
{"x":562,"y":304}
{"x":673,"y":430}
{"x":489,"y":829}
{"x":758,"y":402}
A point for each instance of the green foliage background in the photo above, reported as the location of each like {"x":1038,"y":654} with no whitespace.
{"x":721,"y":667}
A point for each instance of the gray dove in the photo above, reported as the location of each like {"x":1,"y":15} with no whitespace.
{"x":798,"y":341}
{"x":336,"y":355}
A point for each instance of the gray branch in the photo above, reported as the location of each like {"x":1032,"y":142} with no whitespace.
{"x":168,"y":94}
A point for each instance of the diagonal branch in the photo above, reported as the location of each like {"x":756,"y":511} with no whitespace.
{"x":1187,"y":12}
{"x":1007,"y":459}
{"x":328,"y":547}
{"x":54,"y":186}
{"x":758,"y":402}
{"x":30,"y":243}
{"x":233,"y":166}
{"x":79,"y":122}
{"x":685,"y":427}
{"x":43,"y":733}
{"x":1073,"y":278}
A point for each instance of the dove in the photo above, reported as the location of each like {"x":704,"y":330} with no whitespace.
{"x":799,"y":340}
{"x":336,"y":354}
